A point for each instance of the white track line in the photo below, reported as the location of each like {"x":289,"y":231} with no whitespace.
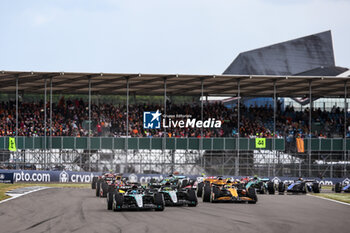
{"x":324,"y":198}
{"x":13,"y":196}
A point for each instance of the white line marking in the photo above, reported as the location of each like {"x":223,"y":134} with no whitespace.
{"x":13,"y":196}
{"x":324,"y":198}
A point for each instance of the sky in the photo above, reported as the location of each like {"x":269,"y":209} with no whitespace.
{"x":158,"y":36}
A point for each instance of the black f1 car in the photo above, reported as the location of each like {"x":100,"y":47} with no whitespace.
{"x":176,"y":197}
{"x":135,"y":198}
{"x":177,"y":191}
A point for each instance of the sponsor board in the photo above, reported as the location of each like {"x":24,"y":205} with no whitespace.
{"x":86,"y":177}
{"x":6,"y":177}
{"x":51,"y":176}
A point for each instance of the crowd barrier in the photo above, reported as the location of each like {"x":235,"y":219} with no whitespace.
{"x":9,"y":176}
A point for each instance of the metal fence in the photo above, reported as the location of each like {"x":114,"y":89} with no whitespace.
{"x":212,"y":156}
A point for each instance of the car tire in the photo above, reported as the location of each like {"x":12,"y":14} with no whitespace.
{"x":93,"y":183}
{"x":281,"y":188}
{"x":252,"y":195}
{"x":98,"y":188}
{"x":192,"y":198}
{"x":119,"y":200}
{"x":206,"y":193}
{"x":338,"y":187}
{"x":159,"y":201}
{"x":271,"y":187}
{"x":104,"y":189}
{"x":200,"y":189}
{"x":316,"y":187}
{"x":110,"y":196}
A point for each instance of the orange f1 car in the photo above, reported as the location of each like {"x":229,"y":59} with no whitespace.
{"x":224,"y":190}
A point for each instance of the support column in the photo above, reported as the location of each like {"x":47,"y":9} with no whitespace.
{"x":164,"y":136}
{"x":238,"y":126}
{"x":274,"y":127}
{"x":50,"y":147}
{"x":201,"y":141}
{"x":45,"y":118}
{"x":127,"y":126}
{"x":89,"y":130}
{"x":16,"y":121}
{"x":345,"y":116}
{"x":310,"y":126}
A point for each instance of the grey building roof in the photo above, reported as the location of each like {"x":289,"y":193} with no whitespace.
{"x":286,"y":58}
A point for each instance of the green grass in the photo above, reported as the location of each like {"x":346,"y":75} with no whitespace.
{"x":7,"y":187}
{"x":344,"y":197}
{"x":326,"y":187}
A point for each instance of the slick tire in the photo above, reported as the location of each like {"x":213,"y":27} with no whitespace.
{"x":271,"y":187}
{"x":159,"y":201}
{"x":206,"y":193}
{"x":98,"y":186}
{"x":93,"y":183}
{"x":338,"y":187}
{"x":316,"y":187}
{"x":252,"y":195}
{"x":192,"y":198}
{"x":104,"y":187}
{"x":281,"y":188}
{"x":119,"y":200}
{"x":200,"y":189}
{"x":110,"y":200}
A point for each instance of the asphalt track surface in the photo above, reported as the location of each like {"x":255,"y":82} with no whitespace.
{"x":78,"y":210}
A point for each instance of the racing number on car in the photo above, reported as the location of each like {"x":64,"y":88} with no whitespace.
{"x":260,"y":142}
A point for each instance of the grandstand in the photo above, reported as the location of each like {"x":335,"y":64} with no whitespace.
{"x":67,"y":126}
{"x":66,"y":142}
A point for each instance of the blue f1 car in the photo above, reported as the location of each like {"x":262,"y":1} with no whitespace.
{"x":300,"y":186}
{"x":338,"y":188}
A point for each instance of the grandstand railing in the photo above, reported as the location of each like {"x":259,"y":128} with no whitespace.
{"x":99,"y":143}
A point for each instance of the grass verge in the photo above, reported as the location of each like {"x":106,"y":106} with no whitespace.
{"x":7,"y":187}
{"x":344,"y":197}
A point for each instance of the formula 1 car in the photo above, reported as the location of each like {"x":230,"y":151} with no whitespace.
{"x":338,"y":188}
{"x":136,"y":198}
{"x":106,"y":182}
{"x":300,"y":186}
{"x":178,"y":197}
{"x":201,"y":181}
{"x":177,"y":191}
{"x":262,"y":186}
{"x":223,"y":190}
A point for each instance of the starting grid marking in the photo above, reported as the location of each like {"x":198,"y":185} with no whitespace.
{"x":22,"y":191}
{"x":340,"y":202}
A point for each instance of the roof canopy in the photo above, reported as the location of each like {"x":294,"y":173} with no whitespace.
{"x":177,"y":84}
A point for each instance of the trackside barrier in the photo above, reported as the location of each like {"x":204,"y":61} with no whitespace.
{"x":86,"y":177}
{"x":6,"y":177}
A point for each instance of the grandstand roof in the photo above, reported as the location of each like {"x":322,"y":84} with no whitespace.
{"x":153,"y":84}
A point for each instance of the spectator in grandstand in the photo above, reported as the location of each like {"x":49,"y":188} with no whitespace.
{"x":70,"y":118}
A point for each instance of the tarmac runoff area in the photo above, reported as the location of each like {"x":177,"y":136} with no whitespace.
{"x":78,"y":210}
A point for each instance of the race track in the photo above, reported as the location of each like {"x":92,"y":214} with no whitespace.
{"x":78,"y":210}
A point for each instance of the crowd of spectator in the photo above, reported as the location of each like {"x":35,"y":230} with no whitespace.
{"x":70,"y":118}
